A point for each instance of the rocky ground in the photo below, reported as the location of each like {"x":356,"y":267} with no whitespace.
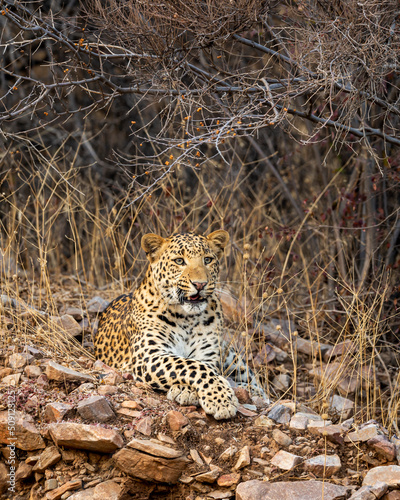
{"x":74,"y":428}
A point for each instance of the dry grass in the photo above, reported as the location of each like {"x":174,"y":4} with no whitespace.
{"x":66,"y":237}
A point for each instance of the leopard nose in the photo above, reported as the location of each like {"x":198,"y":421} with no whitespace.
{"x":199,"y":284}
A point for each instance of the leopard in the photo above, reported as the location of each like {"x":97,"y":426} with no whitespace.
{"x":169,"y":332}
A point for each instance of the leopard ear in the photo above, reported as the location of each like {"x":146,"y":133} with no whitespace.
{"x":219,"y":240}
{"x":151,"y":243}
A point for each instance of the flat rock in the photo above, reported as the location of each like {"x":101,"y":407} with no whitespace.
{"x":210,"y":476}
{"x":389,"y":474}
{"x":32,"y":371}
{"x":282,"y":382}
{"x":144,"y":426}
{"x":285,"y":460}
{"x":19,"y":429}
{"x":54,"y":371}
{"x":281,"y":438}
{"x":228,"y":453}
{"x":85,"y":437}
{"x":370,"y":492}
{"x":263,"y":421}
{"x":50,"y":456}
{"x":286,"y":490}
{"x":17,"y":361}
{"x":228,"y":480}
{"x":11,"y":380}
{"x":323,"y":465}
{"x":97,"y":305}
{"x":107,"y":490}
{"x":69,"y":486}
{"x":363,"y":434}
{"x":333,"y":433}
{"x":151,"y":461}
{"x":95,"y":408}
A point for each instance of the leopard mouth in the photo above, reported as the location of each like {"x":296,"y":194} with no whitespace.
{"x":194,"y":299}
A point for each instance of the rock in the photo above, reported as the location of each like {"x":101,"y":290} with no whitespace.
{"x":54,"y":371}
{"x":333,"y":433}
{"x":389,"y":474}
{"x":244,"y":458}
{"x":68,"y":324}
{"x":341,"y":348}
{"x":85,"y":437}
{"x":4,"y":372}
{"x":285,"y":490}
{"x":219,"y":494}
{"x":341,"y":406}
{"x":363,"y":434}
{"x":23,"y":472}
{"x":285,"y":460}
{"x":196,"y":457}
{"x":50,"y":456}
{"x":144,"y":426}
{"x":151,"y":461}
{"x":107,"y":390}
{"x":176,"y":420}
{"x":20,"y":431}
{"x":11,"y":380}
{"x":383,"y":447}
{"x":50,"y":484}
{"x":133,"y":405}
{"x":228,"y":453}
{"x":210,"y":476}
{"x":4,"y":477}
{"x":97,"y":305}
{"x":321,"y":424}
{"x":75,"y":312}
{"x":243,"y":395}
{"x":323,"y":465}
{"x":107,"y":490}
{"x":127,"y":413}
{"x":280,"y":414}
{"x":228,"y":480}
{"x":55,"y":412}
{"x":281,"y":438}
{"x":17,"y":361}
{"x":95,"y":408}
{"x":370,"y":492}
{"x":392,"y":495}
{"x":282,"y":382}
{"x":32,"y":371}
{"x":112,"y":378}
{"x":245,"y":411}
{"x":346,"y":381}
{"x":263,"y":421}
{"x":299,"y":421}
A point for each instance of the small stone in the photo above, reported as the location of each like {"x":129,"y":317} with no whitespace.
{"x":32,"y":371}
{"x":370,"y":492}
{"x":383,"y":447}
{"x":323,"y":465}
{"x":112,"y":378}
{"x":50,"y":484}
{"x":95,"y":408}
{"x":228,"y":453}
{"x":26,"y":436}
{"x":75,"y":312}
{"x":133,"y":405}
{"x":210,"y":476}
{"x":196,"y":457}
{"x":176,"y":420}
{"x":363,"y":434}
{"x":220,"y":495}
{"x":244,"y":458}
{"x":343,"y":407}
{"x":54,"y":371}
{"x":282,"y":382}
{"x":313,"y":424}
{"x":285,"y":460}
{"x":55,"y":412}
{"x":243,"y":395}
{"x":67,"y":324}
{"x":17,"y":361}
{"x":299,"y":422}
{"x":144,"y":426}
{"x":127,"y":413}
{"x":85,"y":437}
{"x":97,"y":305}
{"x":243,"y":410}
{"x":263,"y":421}
{"x":281,"y":438}
{"x":392,"y":495}
{"x":333,"y":433}
{"x":23,"y":472}
{"x":280,"y":414}
{"x":50,"y":456}
{"x":107,"y":390}
{"x":389,"y":474}
{"x":4,"y":372}
{"x":228,"y":480}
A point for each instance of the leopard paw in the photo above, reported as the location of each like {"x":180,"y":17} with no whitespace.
{"x":218,"y":399}
{"x":183,"y":395}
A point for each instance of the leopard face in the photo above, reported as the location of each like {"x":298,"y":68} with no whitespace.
{"x":185,"y":268}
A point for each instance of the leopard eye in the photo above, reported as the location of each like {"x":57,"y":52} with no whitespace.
{"x":208,"y":260}
{"x":179,"y":261}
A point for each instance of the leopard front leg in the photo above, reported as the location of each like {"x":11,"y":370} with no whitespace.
{"x":182,"y":377}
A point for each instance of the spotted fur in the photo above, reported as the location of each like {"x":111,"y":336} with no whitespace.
{"x":168,"y":332}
